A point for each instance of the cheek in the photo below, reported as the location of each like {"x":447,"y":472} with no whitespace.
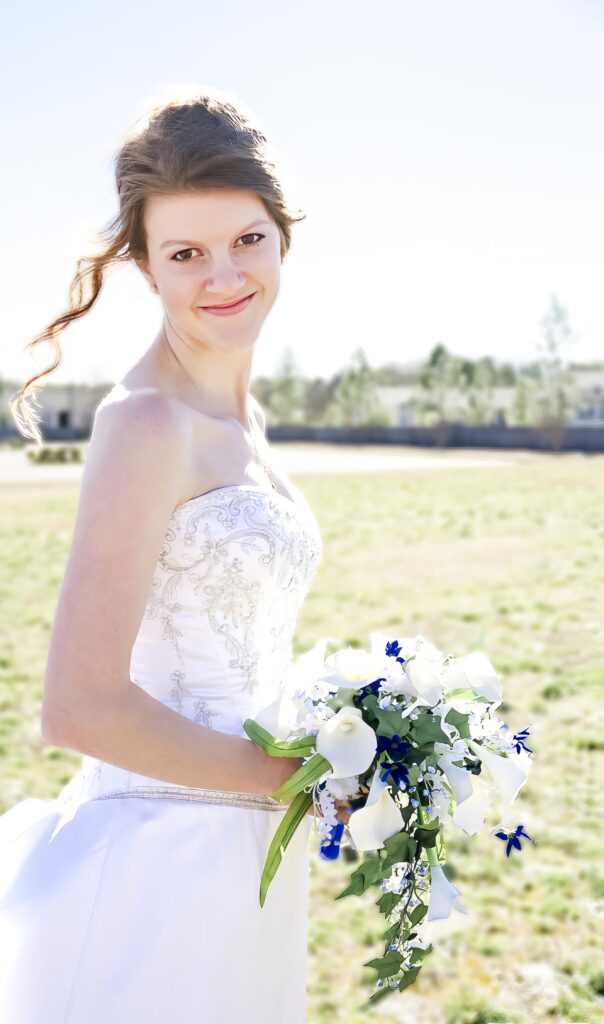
{"x":178,"y":282}
{"x":269,"y":267}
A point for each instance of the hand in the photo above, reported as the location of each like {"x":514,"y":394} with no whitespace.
{"x":285,"y":767}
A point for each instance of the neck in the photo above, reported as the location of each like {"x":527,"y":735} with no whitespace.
{"x":215,"y":382}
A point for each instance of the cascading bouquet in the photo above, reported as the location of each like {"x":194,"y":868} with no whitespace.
{"x":402,"y":733}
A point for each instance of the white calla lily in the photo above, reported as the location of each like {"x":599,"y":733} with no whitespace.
{"x":470,"y":814}
{"x":348,"y":743}
{"x":508,"y":773}
{"x":379,"y":819}
{"x":425,"y":676}
{"x":474,"y":670}
{"x":443,"y":896}
{"x":437,"y":929}
{"x":458,"y":778}
{"x":350,"y":668}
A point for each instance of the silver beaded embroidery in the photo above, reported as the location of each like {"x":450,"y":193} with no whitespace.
{"x":180,"y":693}
{"x":209,"y":541}
{"x":202,"y":796}
{"x":220,"y":551}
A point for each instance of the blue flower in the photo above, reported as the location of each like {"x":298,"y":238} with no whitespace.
{"x":395,"y":749}
{"x":519,"y":743}
{"x":394,"y":746}
{"x":393,"y":649}
{"x":513,"y":838}
{"x":364,"y":691}
{"x":398,"y":774}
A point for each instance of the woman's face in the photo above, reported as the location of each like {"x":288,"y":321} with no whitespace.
{"x":207,"y":249}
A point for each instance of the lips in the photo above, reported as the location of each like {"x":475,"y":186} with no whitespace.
{"x":232,"y":307}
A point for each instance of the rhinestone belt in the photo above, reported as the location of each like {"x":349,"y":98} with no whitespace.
{"x":204,"y":796}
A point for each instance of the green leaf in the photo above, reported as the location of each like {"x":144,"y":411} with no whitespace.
{"x":389,"y":934}
{"x":370,"y":871}
{"x":389,"y":722}
{"x":369,"y":709}
{"x":460,"y":721}
{"x":388,"y":901}
{"x":428,"y":729}
{"x":427,"y":834}
{"x":380,"y":994}
{"x":468,"y":694}
{"x":441,"y":850}
{"x":418,"y":913}
{"x":408,"y":978}
{"x":464,"y":693}
{"x":386,"y":965}
{"x":278,"y":748}
{"x":285,"y":830}
{"x":420,"y":954}
{"x":404,"y":727}
{"x":399,"y":847}
{"x":305,"y":775}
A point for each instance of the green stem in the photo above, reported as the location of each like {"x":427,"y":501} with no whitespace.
{"x":430,"y":850}
{"x":305,"y":775}
{"x":278,"y":748}
{"x":285,"y":831}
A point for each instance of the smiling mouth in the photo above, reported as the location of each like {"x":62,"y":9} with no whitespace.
{"x":230,"y":305}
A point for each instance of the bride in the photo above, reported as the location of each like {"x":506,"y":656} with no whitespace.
{"x":133,"y":896}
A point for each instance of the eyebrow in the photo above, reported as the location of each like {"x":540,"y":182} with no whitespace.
{"x":187,"y":241}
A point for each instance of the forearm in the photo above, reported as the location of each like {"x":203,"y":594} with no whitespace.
{"x":147,"y":737}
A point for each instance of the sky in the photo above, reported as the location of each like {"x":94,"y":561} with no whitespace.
{"x":449,"y":158}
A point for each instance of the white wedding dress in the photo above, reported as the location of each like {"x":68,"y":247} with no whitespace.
{"x":130,"y":900}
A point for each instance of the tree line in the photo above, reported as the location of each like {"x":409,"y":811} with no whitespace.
{"x":446,"y":387}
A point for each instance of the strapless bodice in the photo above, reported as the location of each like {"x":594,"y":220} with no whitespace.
{"x":215,"y":640}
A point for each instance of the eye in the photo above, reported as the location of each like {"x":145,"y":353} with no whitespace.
{"x":254,"y":234}
{"x":247,"y":245}
{"x":179,"y":253}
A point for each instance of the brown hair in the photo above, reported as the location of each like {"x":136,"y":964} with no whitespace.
{"x":183,"y":145}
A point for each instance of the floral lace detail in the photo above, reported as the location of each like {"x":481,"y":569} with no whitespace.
{"x":242,"y":558}
{"x":180,"y":692}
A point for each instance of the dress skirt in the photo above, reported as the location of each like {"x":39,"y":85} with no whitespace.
{"x":145,"y":910}
{"x":127,"y":901}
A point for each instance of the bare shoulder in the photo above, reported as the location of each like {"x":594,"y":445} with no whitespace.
{"x":140,"y":445}
{"x":142,"y":404}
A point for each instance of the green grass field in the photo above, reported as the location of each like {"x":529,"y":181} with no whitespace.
{"x":507,"y":560}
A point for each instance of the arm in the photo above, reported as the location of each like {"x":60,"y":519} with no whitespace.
{"x":136,"y":471}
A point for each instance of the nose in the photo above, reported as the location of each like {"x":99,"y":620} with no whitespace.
{"x":225,"y":278}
